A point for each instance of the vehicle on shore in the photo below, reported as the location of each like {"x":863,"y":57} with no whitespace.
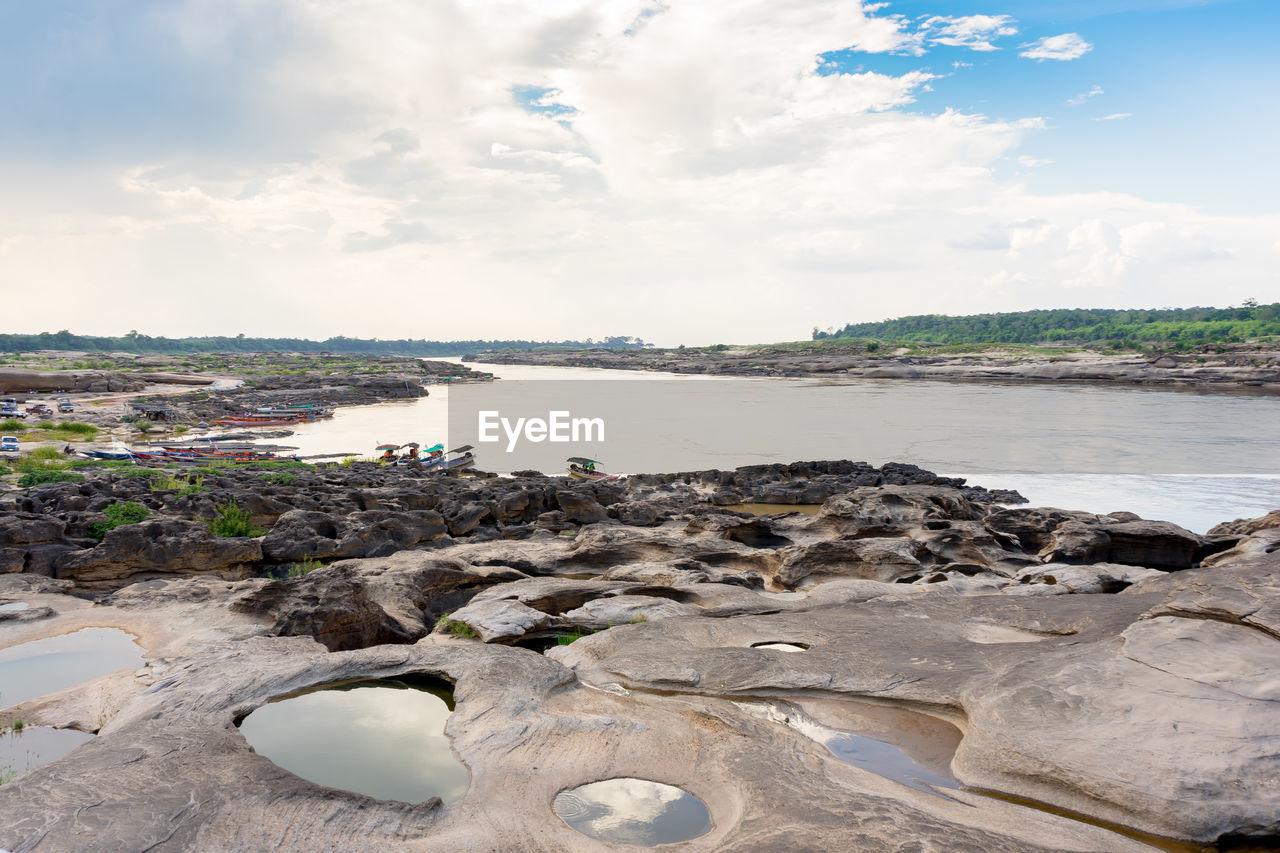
{"x":65,"y":407}
{"x":9,"y":444}
{"x":39,"y":409}
{"x":581,"y":468}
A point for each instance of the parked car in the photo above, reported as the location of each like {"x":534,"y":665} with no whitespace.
{"x":9,"y":444}
{"x":64,"y":406}
{"x":12,"y":412}
{"x":39,"y":409}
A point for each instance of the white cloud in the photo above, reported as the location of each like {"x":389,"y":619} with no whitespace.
{"x":1084,"y":96}
{"x":706,"y":174}
{"x":1114,"y":117}
{"x":975,"y":32}
{"x":1064,"y":47}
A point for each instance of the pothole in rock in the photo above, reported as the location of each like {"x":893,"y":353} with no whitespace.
{"x":633,"y":811}
{"x":781,"y":647}
{"x":43,"y":666}
{"x":774,"y":509}
{"x":910,"y":748}
{"x":31,"y":746}
{"x":382,"y":738}
{"x":15,"y":605}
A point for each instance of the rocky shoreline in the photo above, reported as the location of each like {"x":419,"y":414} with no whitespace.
{"x":1234,"y":368}
{"x":1104,"y":666}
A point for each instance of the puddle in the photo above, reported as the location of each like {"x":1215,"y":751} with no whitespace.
{"x":774,"y":509}
{"x":15,"y":605}
{"x":383,"y":738}
{"x":915,"y":750}
{"x":633,"y":811}
{"x":781,"y":647}
{"x":33,"y":746}
{"x":44,"y":666}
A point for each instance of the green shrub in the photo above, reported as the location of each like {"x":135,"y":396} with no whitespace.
{"x":306,"y":567}
{"x":12,"y":425}
{"x":118,"y":515}
{"x":191,"y":484}
{"x":79,"y":428}
{"x":35,"y":478}
{"x":232,"y":522}
{"x":128,"y":419}
{"x":5,"y":469}
{"x":46,"y":425}
{"x":456,"y":627}
{"x":280,"y":478}
{"x":573,"y":636}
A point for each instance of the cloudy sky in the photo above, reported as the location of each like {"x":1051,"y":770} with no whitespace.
{"x":690,"y":172}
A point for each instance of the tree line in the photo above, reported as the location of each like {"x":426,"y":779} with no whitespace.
{"x":133,"y":342}
{"x":1077,"y":325}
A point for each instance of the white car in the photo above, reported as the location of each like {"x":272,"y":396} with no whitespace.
{"x":9,"y":444}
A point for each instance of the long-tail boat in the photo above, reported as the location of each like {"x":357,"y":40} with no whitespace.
{"x":581,"y":468}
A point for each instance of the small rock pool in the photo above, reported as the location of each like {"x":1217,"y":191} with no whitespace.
{"x":32,"y":746}
{"x":33,"y":669}
{"x":383,"y":738}
{"x":633,"y":811}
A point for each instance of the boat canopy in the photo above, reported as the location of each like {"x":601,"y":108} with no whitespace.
{"x":463,"y":449}
{"x":387,"y":447}
{"x":583,"y":461}
{"x":433,"y":448}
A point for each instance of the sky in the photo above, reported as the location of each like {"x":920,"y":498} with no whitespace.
{"x":689,"y":172}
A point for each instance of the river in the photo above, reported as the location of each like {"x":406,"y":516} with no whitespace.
{"x":1184,"y":456}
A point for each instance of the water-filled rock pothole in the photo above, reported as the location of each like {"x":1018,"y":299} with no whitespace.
{"x":33,"y":669}
{"x":14,"y":605}
{"x":901,"y":745}
{"x":382,"y":738}
{"x":633,"y":811}
{"x":31,"y":746}
{"x":778,"y":646}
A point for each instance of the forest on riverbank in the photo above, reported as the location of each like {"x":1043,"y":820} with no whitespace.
{"x":133,"y":342}
{"x":1115,"y":327}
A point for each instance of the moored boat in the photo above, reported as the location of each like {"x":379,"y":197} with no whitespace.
{"x":581,"y":468}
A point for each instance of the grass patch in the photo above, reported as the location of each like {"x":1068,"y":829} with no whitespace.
{"x":573,"y":636}
{"x":306,"y":567}
{"x":36,"y":478}
{"x":78,"y":427}
{"x":118,"y":515}
{"x":456,"y":627}
{"x":279,"y":478}
{"x":12,"y":425}
{"x":233,"y":522}
{"x":191,"y":484}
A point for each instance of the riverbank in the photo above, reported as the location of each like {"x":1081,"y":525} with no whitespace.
{"x":194,"y":389}
{"x":1226,"y":367}
{"x":1103,"y":666}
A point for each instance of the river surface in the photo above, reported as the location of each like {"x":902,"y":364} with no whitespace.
{"x":1184,"y":456}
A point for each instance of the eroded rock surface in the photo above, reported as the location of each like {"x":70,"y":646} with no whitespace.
{"x":1154,"y":709}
